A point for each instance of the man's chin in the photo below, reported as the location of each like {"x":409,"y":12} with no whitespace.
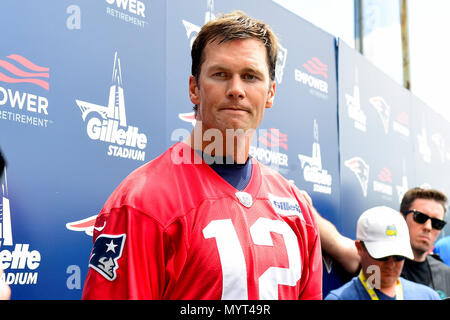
{"x":422,"y":247}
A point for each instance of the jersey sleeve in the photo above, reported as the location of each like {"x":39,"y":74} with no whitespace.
{"x":129,"y":258}
{"x":313,"y":287}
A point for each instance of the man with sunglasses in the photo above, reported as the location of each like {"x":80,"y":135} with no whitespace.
{"x":424,"y":212}
{"x":382,"y":244}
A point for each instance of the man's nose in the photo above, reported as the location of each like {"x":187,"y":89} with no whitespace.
{"x":235,"y":88}
{"x":427,"y":225}
{"x":390,"y":261}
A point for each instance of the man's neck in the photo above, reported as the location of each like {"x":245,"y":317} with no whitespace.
{"x":419,"y":255}
{"x":235,"y":149}
{"x":390,"y":290}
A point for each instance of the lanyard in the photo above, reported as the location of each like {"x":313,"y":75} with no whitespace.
{"x":372,"y":293}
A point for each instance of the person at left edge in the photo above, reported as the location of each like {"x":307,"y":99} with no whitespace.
{"x":383,"y":244}
{"x":186,"y":225}
{"x":5,"y":290}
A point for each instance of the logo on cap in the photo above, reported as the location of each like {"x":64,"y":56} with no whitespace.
{"x":391,"y":231}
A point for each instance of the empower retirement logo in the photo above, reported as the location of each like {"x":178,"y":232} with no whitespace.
{"x":24,"y":86}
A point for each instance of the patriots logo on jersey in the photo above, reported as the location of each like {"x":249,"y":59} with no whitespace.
{"x":107,"y":250}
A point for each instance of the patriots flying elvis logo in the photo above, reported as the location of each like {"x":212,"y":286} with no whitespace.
{"x":107,"y":250}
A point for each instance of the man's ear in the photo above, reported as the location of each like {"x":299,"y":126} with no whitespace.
{"x":359,"y":246}
{"x":194,"y":94}
{"x":271,"y":95}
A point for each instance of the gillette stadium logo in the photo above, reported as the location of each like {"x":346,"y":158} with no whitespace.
{"x":192,"y":29}
{"x":25,"y":107}
{"x":312,"y":167}
{"x":109,"y":123}
{"x":354,"y":110}
{"x":16,"y":259}
{"x":314,"y":75}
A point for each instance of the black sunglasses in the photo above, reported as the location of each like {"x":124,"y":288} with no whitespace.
{"x":421,"y":218}
{"x":396,"y":258}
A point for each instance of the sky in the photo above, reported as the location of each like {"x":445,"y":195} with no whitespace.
{"x":430,"y":52}
{"x":429,"y":44}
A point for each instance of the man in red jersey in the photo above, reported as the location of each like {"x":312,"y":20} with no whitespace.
{"x":204,"y":220}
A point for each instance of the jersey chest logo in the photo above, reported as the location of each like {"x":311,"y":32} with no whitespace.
{"x":245,"y":199}
{"x":285,"y":206}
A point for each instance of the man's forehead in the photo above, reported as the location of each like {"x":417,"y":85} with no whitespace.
{"x":215,"y":59}
{"x":429,"y":206}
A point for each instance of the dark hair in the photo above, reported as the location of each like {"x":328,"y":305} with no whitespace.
{"x":233,"y":26}
{"x":421,"y":193}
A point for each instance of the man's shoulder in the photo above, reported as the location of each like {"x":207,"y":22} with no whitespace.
{"x":268,"y":171}
{"x":276,"y":184}
{"x":416,"y":291}
{"x":274,"y":181}
{"x":436,"y":263}
{"x":162,"y":184}
{"x":348,"y":291}
{"x":149,"y":175}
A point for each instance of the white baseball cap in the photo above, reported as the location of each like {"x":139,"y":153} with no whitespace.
{"x":384,"y":232}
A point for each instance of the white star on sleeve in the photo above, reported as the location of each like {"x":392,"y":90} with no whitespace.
{"x":111,"y":246}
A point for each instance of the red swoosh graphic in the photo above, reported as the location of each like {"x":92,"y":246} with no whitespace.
{"x":403,"y":118}
{"x":188,"y":118}
{"x":275,"y":144}
{"x":316,"y":67}
{"x":278,"y":133}
{"x":310,"y":70}
{"x":18,"y":72}
{"x":385,"y":175}
{"x":39,"y":82}
{"x":27,"y":63}
{"x":83,"y":225}
{"x":274,"y":137}
{"x":320,"y":63}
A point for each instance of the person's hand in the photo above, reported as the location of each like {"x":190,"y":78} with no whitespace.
{"x":307,"y":197}
{"x":5,"y":291}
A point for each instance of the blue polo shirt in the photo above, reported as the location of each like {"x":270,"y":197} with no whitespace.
{"x":354,"y":290}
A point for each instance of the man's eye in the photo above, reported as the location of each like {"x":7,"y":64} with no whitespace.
{"x":249,"y":77}
{"x":219,"y":74}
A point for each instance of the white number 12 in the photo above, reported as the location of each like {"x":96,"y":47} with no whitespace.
{"x":233,"y":263}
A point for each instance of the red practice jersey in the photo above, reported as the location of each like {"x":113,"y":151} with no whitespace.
{"x":174,"y":229}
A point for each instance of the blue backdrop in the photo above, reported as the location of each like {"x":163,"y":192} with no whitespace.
{"x":91,"y":90}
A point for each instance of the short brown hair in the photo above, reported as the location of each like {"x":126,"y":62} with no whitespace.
{"x":233,"y":26}
{"x":421,"y":193}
